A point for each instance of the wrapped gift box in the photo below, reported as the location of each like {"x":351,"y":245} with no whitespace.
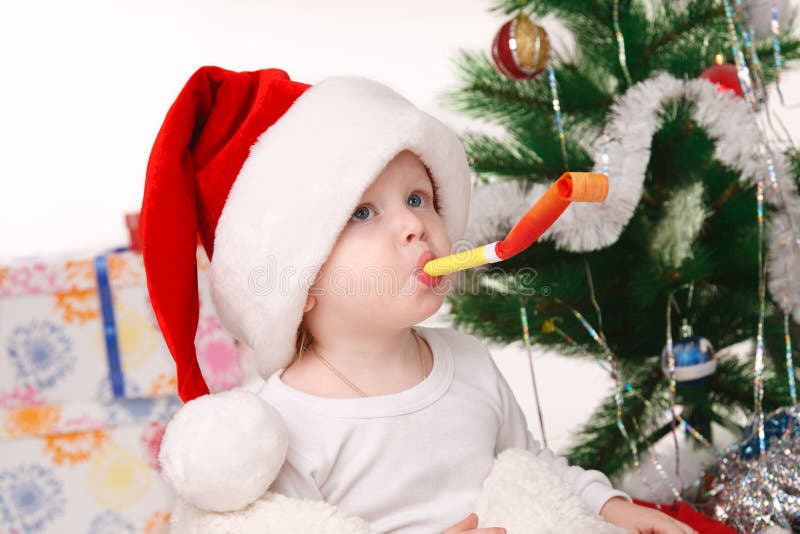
{"x":85,"y":466}
{"x":87,"y":387}
{"x":83,"y":328}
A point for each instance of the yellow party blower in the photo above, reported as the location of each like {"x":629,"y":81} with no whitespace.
{"x":570,"y":187}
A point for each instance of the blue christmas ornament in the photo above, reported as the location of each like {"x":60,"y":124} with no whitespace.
{"x":780,"y":425}
{"x":693,"y":355}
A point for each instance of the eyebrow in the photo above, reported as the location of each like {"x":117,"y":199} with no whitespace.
{"x":434,"y":187}
{"x":420,"y":184}
{"x":430,"y":178}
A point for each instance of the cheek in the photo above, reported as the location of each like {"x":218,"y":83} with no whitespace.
{"x":446,"y":243}
{"x":349,"y":283}
{"x":340,"y":255}
{"x":439,"y":236}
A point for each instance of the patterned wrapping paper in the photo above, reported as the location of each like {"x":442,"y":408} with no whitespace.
{"x":84,"y":466}
{"x":78,"y":453}
{"x":53,"y":336}
{"x":45,"y":420}
{"x":104,"y":481}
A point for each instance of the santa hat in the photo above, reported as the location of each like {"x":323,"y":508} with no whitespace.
{"x":268,"y":171}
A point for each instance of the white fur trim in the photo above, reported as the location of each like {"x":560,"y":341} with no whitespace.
{"x":221,"y":452}
{"x":297,"y":190}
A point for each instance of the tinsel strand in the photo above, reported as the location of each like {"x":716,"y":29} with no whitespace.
{"x":776,"y":45}
{"x":672,"y":387}
{"x":551,"y":73}
{"x":623,"y":62}
{"x":526,"y":337}
{"x":613,"y":361}
{"x":549,"y":327}
{"x":758,"y":389}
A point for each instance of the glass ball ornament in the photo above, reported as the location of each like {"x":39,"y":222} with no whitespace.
{"x":724,"y":76}
{"x":693,"y":356}
{"x":521,"y":49}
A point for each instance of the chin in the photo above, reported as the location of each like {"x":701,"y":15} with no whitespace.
{"x":430,"y":304}
{"x":408,"y":310}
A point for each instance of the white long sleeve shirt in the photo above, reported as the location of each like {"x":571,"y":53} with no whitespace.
{"x":413,"y":462}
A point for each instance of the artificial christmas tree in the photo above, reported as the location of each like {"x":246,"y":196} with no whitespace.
{"x":702,"y":215}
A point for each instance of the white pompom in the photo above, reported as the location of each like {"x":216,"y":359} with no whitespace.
{"x":221,"y":452}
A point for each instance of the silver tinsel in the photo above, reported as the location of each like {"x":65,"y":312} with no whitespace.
{"x":752,"y":492}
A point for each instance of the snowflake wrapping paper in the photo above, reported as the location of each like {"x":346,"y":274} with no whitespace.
{"x":84,"y":466}
{"x":84,"y":329}
{"x":101,"y":481}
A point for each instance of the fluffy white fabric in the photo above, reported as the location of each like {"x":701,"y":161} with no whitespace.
{"x":525,"y":496}
{"x":271,"y":514}
{"x":221,"y":452}
{"x":522,"y":494}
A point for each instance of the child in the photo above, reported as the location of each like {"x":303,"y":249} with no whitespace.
{"x":318,"y":207}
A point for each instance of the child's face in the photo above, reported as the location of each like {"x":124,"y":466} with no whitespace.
{"x":371,"y":277}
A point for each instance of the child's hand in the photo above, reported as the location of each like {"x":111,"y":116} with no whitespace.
{"x":641,"y":519}
{"x":469,"y":524}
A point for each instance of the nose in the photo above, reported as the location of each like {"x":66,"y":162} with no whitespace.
{"x":410,"y":225}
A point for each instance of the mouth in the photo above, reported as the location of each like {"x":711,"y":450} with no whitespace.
{"x":426,"y":279}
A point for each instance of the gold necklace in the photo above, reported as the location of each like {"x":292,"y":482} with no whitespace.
{"x":353,"y":386}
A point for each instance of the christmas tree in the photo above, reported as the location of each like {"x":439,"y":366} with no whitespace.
{"x":678,"y":241}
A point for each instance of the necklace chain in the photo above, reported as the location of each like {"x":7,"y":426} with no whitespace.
{"x":353,"y":386}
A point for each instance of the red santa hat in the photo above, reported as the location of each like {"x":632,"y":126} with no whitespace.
{"x":268,"y":171}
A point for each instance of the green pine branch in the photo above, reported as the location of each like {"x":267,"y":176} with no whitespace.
{"x":677,"y":32}
{"x":488,"y":95}
{"x":633,"y":277}
{"x":790,"y":51}
{"x":600,"y":444}
{"x":489,"y":156}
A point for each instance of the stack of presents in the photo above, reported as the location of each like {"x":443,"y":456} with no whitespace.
{"x":87,"y":387}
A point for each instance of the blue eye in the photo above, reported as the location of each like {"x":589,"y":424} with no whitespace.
{"x":361,"y":213}
{"x":415,"y":195}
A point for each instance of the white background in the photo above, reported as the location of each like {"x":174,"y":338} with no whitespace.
{"x":86,"y":85}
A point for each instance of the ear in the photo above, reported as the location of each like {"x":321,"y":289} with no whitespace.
{"x":310,"y":302}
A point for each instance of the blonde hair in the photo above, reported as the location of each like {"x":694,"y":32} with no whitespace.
{"x":303,"y":341}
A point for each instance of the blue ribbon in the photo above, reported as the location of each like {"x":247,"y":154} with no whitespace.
{"x":109,"y":327}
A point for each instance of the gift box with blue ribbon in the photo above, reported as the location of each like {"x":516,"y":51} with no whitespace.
{"x":87,"y":386}
{"x":84,"y":328}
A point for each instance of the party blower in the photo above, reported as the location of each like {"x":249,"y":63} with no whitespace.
{"x":570,"y":187}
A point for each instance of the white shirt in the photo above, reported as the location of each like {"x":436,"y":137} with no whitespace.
{"x":413,"y":462}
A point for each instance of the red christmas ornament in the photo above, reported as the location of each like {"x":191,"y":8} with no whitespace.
{"x":724,"y":76}
{"x":520,"y":49}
